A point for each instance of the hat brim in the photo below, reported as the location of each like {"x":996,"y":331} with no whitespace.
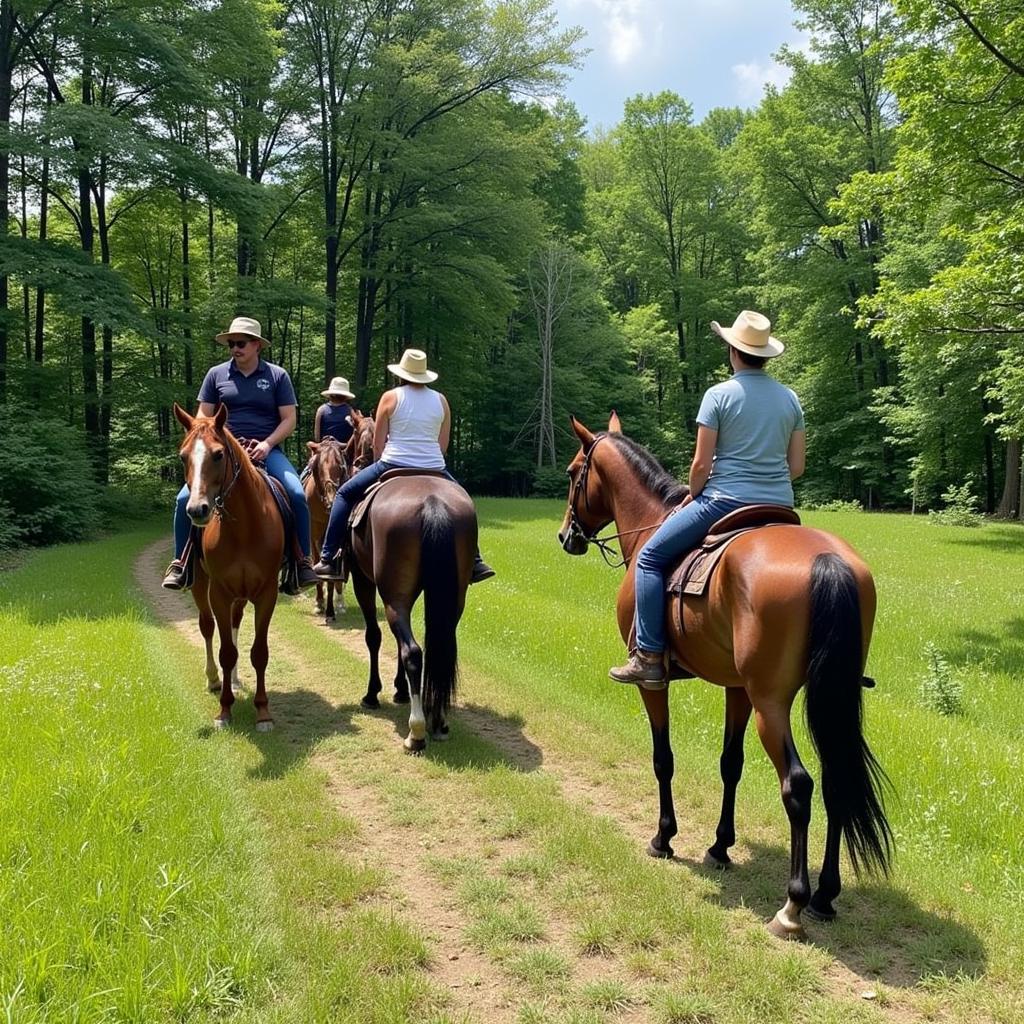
{"x":427,"y":377}
{"x":337,"y":394}
{"x":222,"y":338}
{"x":773,"y":348}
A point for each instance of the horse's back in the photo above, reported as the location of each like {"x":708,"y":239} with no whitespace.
{"x":755,"y":618}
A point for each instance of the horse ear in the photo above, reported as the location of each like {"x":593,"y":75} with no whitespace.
{"x":183,"y":417}
{"x":220,"y":416}
{"x":585,"y":436}
{"x":313,"y":446}
{"x":614,"y":426}
{"x":356,"y":417}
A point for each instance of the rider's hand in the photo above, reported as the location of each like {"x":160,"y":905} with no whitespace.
{"x":260,"y":451}
{"x":686,"y":501}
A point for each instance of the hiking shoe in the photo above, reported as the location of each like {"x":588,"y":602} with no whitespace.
{"x":307,"y":577}
{"x":174,"y":578}
{"x":481,"y":571}
{"x":643,"y":668}
{"x":327,"y":569}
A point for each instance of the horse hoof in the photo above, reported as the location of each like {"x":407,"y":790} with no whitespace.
{"x":222,"y":723}
{"x":784,"y":930}
{"x":414,"y":746}
{"x":266,"y":726}
{"x":400,"y":698}
{"x":825,"y":916}
{"x":442,"y":735}
{"x":658,"y":853}
{"x":329,"y":620}
{"x":716,"y":864}
{"x":370,"y":703}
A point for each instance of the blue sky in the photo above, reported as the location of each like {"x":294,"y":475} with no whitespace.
{"x":714,"y":53}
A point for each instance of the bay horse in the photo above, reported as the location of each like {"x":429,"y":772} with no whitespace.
{"x":359,"y":447}
{"x":242,"y":546}
{"x":328,"y":470}
{"x":786,"y":605}
{"x":419,"y":536}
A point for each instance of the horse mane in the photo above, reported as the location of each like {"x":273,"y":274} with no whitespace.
{"x":650,"y":471}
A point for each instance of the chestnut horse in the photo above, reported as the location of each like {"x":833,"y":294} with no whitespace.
{"x":359,"y":447}
{"x":786,"y":605}
{"x":419,"y":536}
{"x":242,"y":546}
{"x":327,"y":472}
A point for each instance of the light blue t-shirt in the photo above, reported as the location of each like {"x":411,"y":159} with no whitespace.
{"x":755,"y":416}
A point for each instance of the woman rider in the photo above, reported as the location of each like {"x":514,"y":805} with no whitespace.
{"x":750,"y":447}
{"x":261,"y":407}
{"x":334,"y":417}
{"x":412,"y":428}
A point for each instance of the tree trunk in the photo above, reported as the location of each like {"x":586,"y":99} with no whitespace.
{"x":7,"y":18}
{"x":1009,"y":503}
{"x":186,"y":287}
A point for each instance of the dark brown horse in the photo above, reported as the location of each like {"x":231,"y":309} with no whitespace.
{"x":242,"y":546}
{"x":359,"y":447}
{"x":419,"y":537}
{"x":327,"y":472}
{"x":787,"y":605}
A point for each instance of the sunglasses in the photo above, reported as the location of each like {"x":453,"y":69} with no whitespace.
{"x":237,"y":342}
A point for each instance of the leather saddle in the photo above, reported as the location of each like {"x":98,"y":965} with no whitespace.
{"x":694,"y":571}
{"x":361,"y":510}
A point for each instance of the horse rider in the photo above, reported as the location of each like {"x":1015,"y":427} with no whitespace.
{"x":751,"y":445}
{"x":261,"y":407}
{"x":333,"y":418}
{"x":412,"y":429}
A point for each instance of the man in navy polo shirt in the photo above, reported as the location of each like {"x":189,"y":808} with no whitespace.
{"x":261,"y":407}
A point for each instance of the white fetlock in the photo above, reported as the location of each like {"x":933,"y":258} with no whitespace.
{"x":417,"y":720}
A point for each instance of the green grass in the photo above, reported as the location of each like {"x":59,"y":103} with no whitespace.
{"x":237,"y":877}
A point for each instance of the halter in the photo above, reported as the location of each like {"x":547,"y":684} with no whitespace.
{"x":603,"y":544}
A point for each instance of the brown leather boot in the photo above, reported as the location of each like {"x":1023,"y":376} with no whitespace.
{"x":174,"y":578}
{"x":645,"y":668}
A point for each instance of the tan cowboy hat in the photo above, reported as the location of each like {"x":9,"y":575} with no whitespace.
{"x":338,"y":388}
{"x":244,"y":326}
{"x":751,"y":333}
{"x":413,"y":367}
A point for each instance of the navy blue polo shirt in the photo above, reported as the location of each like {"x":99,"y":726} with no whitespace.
{"x":252,"y":401}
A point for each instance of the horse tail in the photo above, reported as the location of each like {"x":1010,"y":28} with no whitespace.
{"x":439,"y":577}
{"x":852,"y":781}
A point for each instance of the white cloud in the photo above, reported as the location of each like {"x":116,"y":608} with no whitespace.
{"x":752,"y":77}
{"x":622,"y":22}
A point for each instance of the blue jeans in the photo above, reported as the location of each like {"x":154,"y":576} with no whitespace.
{"x":347,"y":498}
{"x":679,"y":533}
{"x":279,"y":467}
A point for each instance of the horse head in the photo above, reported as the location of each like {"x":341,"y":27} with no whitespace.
{"x":328,"y":467}
{"x":209,"y":460}
{"x":587,"y":510}
{"x":359,"y":450}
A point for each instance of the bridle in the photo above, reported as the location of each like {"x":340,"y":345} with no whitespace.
{"x":315,"y":469}
{"x":614,"y":559}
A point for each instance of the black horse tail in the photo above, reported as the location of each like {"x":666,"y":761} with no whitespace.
{"x":439,"y":576}
{"x":852,"y":781}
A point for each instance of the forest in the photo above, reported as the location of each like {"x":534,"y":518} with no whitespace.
{"x":367,"y":175}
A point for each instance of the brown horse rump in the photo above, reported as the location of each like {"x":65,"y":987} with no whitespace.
{"x":360,"y":511}
{"x":693,"y":573}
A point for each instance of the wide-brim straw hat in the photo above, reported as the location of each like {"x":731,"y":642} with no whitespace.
{"x":338,"y":388}
{"x":751,"y":333}
{"x":242,"y":326}
{"x":413,"y":367}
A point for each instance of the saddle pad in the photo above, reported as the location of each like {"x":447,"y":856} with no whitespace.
{"x":359,"y":512}
{"x":693,"y":573}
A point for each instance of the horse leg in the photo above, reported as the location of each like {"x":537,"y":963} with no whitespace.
{"x":339,"y":589}
{"x":366,"y":595}
{"x":259,"y":655}
{"x":797,"y":788}
{"x":329,"y":611}
{"x":237,"y":610}
{"x":656,"y":705}
{"x":201,"y":596}
{"x":318,"y":608}
{"x":737,"y":714}
{"x":411,"y":657}
{"x":829,"y":883}
{"x":223,"y":612}
{"x":401,"y":681}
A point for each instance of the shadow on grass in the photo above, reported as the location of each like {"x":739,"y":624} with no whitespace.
{"x":999,"y":649}
{"x":880,"y":933}
{"x":1002,"y":539}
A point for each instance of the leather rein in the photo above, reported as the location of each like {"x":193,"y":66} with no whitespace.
{"x":603,"y":544}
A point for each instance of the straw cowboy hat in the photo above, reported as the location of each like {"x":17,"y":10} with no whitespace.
{"x":413,"y":367}
{"x":751,"y":333}
{"x":245,"y":327}
{"x":338,"y":388}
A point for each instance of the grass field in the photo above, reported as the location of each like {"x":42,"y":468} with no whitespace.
{"x":152,"y":870}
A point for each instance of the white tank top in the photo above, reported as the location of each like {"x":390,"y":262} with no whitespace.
{"x":414,"y":428}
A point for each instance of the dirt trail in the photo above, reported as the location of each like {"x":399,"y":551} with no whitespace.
{"x":476,"y":985}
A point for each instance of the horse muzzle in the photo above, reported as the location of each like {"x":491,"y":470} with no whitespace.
{"x":200,"y":513}
{"x":573,"y":542}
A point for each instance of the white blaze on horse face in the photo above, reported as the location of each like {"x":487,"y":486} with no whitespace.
{"x":198,"y":458}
